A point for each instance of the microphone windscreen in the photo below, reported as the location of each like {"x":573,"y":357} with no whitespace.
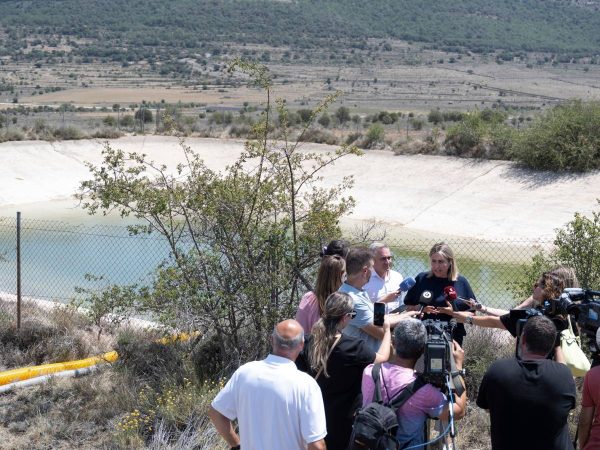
{"x":407,"y":283}
{"x":426,"y":298}
{"x":450,"y":293}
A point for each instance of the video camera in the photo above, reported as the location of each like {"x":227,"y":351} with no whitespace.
{"x":438,"y":358}
{"x":583,"y":304}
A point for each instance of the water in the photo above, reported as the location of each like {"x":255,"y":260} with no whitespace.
{"x":57,"y":256}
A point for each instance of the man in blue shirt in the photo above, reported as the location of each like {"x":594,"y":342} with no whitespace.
{"x":359,"y":264}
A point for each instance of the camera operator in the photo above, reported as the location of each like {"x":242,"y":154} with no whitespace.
{"x":410,"y":337}
{"x":529,"y":399}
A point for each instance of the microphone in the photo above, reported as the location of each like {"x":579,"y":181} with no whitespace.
{"x":407,"y":284}
{"x":450,"y":295}
{"x":425,"y":300}
{"x":452,"y":325}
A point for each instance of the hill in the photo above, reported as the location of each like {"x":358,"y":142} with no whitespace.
{"x":128,"y":30}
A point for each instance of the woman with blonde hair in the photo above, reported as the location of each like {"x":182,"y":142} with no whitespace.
{"x":443,"y":274}
{"x":329,"y":279}
{"x":337,"y":361}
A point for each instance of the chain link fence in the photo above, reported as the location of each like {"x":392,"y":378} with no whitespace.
{"x":61,"y":261}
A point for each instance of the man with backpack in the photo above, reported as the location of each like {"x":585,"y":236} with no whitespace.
{"x":423,"y":400}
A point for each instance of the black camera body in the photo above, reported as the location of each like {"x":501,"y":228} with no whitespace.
{"x":584,"y":305}
{"x":437,"y":365}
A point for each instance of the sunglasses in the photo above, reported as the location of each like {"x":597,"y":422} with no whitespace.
{"x":352,"y":314}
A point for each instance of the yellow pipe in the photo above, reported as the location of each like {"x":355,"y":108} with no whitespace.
{"x":26,"y":373}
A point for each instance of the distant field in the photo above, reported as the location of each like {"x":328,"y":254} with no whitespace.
{"x":463,"y":85}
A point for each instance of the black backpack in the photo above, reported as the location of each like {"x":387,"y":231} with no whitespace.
{"x":376,"y":424}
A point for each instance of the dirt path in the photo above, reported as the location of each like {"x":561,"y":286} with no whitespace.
{"x":430,"y":195}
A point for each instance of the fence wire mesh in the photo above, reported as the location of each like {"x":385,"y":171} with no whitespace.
{"x":58,"y":259}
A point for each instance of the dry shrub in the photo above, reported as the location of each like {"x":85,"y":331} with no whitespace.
{"x":319,"y":136}
{"x":427,"y":146}
{"x":39,"y":343}
{"x":64,"y":413}
{"x":151,"y":362}
{"x":108,"y":133}
{"x":482,"y":347}
{"x":474,"y":429}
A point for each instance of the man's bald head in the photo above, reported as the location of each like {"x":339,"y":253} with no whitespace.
{"x":288,"y":339}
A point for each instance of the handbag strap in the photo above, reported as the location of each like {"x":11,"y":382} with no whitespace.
{"x":573,"y":335}
{"x":569,"y":322}
{"x":329,"y":354}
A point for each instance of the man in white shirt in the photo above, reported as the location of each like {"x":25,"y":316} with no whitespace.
{"x":276,"y":405}
{"x":383,"y":286}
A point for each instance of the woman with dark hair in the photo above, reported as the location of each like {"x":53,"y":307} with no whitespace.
{"x":443,"y":274}
{"x":336,"y":247}
{"x":329,"y":279}
{"x":337,"y":362}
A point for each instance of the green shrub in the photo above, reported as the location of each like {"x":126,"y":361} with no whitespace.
{"x":435,"y":117}
{"x":465,"y":135}
{"x":324,"y":120}
{"x":565,"y":138}
{"x":375,"y":134}
{"x":578,"y":245}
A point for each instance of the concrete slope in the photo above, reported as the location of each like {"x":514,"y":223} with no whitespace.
{"x":435,"y":195}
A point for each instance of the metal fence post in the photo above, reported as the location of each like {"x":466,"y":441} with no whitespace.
{"x":18,"y":270}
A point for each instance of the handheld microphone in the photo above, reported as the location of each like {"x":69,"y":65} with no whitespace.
{"x":406,"y":284}
{"x":425,"y":300}
{"x":450,"y":295}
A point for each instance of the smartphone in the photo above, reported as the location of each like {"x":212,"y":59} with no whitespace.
{"x":378,"y":314}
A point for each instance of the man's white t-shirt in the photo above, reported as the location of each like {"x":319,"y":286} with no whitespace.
{"x":377,"y":287}
{"x":277,"y":406}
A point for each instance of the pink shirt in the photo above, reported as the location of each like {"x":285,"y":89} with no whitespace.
{"x":591,"y":397}
{"x":308,"y":312}
{"x":426,"y":402}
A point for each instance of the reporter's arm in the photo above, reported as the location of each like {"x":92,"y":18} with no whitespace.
{"x":391,"y":297}
{"x":383,"y":354}
{"x":224,"y":427}
{"x":493,"y":311}
{"x":586,"y":417}
{"x":559,"y":356}
{"x":398,"y":317}
{"x":317,"y":445}
{"x":527,"y":303}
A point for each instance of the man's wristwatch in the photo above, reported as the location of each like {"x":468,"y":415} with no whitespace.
{"x":469,"y":320}
{"x":237,"y":447}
